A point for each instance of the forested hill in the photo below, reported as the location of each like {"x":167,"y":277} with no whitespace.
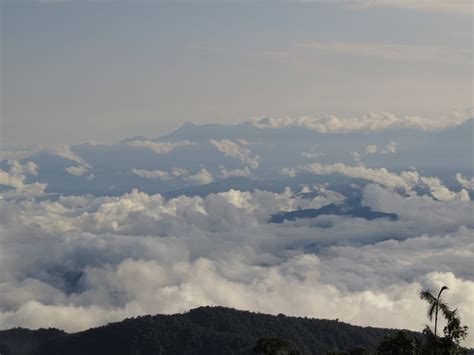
{"x":204,"y":330}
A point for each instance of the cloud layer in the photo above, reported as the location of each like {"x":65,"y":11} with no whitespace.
{"x":371,"y":122}
{"x":81,"y":261}
{"x":76,"y":257}
{"x":406,"y":181}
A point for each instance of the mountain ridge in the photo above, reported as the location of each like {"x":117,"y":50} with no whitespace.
{"x":203,"y":330}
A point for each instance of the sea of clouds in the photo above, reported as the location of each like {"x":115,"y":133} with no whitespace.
{"x":74,"y":261}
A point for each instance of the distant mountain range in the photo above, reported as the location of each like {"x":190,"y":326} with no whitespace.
{"x":355,"y":211}
{"x":244,"y":156}
{"x":204,"y":330}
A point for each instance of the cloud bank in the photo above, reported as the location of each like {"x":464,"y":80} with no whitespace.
{"x":81,"y":261}
{"x":406,"y":181}
{"x":235,"y":150}
{"x":370,"y":122}
{"x":159,"y":147}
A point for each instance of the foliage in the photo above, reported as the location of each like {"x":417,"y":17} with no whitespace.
{"x":403,"y":342}
{"x":359,"y":350}
{"x":206,"y":330}
{"x":400,"y":343}
{"x":453,"y":332}
{"x":434,"y":305}
{"x":273,"y":346}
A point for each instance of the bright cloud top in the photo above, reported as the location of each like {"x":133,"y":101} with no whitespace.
{"x":370,"y":122}
{"x":159,"y":147}
{"x":116,"y":257}
{"x":235,"y":150}
{"x":406,"y":180}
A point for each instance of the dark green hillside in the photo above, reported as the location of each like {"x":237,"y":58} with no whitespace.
{"x":204,"y":330}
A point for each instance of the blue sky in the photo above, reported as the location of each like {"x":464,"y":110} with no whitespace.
{"x":76,"y":71}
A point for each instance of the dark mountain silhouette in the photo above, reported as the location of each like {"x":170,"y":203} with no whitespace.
{"x":352,"y":210}
{"x":204,"y":330}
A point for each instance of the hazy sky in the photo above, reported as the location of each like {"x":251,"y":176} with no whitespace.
{"x":76,"y":71}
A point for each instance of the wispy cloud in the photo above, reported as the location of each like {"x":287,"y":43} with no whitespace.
{"x":388,"y":52}
{"x":159,"y":147}
{"x":450,"y":6}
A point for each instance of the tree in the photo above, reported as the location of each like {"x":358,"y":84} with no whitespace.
{"x":434,"y":305}
{"x":454,"y":333}
{"x":402,"y":342}
{"x":273,"y":346}
{"x":359,"y":351}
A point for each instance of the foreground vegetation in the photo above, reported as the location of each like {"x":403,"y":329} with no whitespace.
{"x":402,"y":342}
{"x":219,"y":330}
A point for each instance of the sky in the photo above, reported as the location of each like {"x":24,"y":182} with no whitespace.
{"x":75,"y":71}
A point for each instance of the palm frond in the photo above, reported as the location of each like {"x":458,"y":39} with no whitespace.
{"x":427,"y":295}
{"x":447,"y":312}
{"x":431,"y":311}
{"x":441,"y":291}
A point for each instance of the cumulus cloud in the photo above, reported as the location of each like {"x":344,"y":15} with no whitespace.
{"x":77,"y":170}
{"x":16,"y":177}
{"x":65,"y":151}
{"x":61,"y":150}
{"x":79,"y":261}
{"x":228,"y":173}
{"x":390,"y":148}
{"x":405,"y":180}
{"x":201,"y":177}
{"x":312,"y":153}
{"x":371,"y":122}
{"x":159,"y":147}
{"x":443,"y":215}
{"x":371,"y":149}
{"x":235,"y":150}
{"x":152,"y":174}
{"x":466,"y":183}
{"x":116,"y":257}
{"x":160,"y":174}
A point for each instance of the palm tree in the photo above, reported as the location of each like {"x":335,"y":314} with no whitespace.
{"x":434,"y":305}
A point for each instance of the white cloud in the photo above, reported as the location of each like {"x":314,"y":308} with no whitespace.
{"x":371,"y":149}
{"x":140,"y":253}
{"x":423,"y":213}
{"x":152,"y":174}
{"x":77,"y":170}
{"x":390,"y":52}
{"x":228,"y":173}
{"x":235,"y":150}
{"x":201,"y":177}
{"x":160,"y":174}
{"x":312,"y":153}
{"x":463,"y":7}
{"x":370,"y":122}
{"x":16,"y":177}
{"x":406,"y":180}
{"x":160,"y":147}
{"x":465,"y":182}
{"x":65,"y":151}
{"x":12,"y":153}
{"x":390,"y":148}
